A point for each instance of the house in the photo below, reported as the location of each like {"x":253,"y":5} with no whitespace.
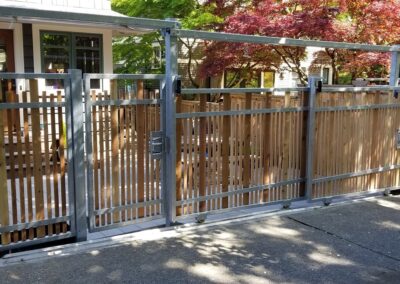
{"x":282,"y":78}
{"x":52,"y":36}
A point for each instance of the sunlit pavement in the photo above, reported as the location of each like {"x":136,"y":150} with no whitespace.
{"x":351,"y":243}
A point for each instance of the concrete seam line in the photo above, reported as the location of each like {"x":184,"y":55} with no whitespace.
{"x":343,"y":238}
{"x":164,"y":233}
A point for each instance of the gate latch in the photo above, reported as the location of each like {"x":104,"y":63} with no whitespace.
{"x":156,"y":144}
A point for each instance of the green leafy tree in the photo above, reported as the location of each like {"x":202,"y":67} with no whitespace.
{"x":135,"y":54}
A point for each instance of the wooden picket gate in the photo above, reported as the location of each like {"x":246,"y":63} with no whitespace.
{"x":124,"y":180}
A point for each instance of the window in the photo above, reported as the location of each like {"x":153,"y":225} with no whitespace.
{"x":3,"y":59}
{"x":233,"y":79}
{"x":325,"y":76}
{"x":269,"y":79}
{"x":63,"y":51}
{"x":156,"y":60}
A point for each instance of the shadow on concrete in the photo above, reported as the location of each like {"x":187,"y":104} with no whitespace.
{"x":273,"y":249}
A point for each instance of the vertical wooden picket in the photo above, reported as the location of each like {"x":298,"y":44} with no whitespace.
{"x":140,"y":146}
{"x":37,"y":158}
{"x":226,"y":128}
{"x":247,"y":149}
{"x":202,"y":151}
{"x":4,"y":208}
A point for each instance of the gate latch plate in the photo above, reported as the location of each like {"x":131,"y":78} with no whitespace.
{"x":156,"y":145}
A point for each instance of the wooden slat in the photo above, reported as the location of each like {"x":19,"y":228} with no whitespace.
{"x":129,"y":158}
{"x":107,"y":139}
{"x":178,"y":166}
{"x":266,"y":147}
{"x":47,"y":164}
{"x":4,"y":208}
{"x":27,"y":161}
{"x":54,"y":159}
{"x":10,"y":133}
{"x":62,"y":140}
{"x":115,"y":153}
{"x":121,"y":134}
{"x":194,"y":207}
{"x":37,"y":158}
{"x":134,"y":139}
{"x":190,"y":154}
{"x":146,"y":154}
{"x":140,"y":147}
{"x":225,"y":149}
{"x":247,"y":149}
{"x":286,"y":145}
{"x":202,"y":151}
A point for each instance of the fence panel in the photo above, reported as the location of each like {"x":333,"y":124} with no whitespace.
{"x":35,"y":195}
{"x":355,"y":142}
{"x":244,"y":151}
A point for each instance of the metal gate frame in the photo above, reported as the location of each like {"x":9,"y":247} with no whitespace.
{"x":159,"y":139}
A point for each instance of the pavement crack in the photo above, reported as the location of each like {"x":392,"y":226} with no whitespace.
{"x":344,"y":239}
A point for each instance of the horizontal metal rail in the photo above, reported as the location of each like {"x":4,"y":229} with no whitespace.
{"x":123,"y":224}
{"x":239,"y":112}
{"x":281,"y":41}
{"x":357,"y":174}
{"x":18,"y":227}
{"x":334,"y":89}
{"x":125,"y":76}
{"x":58,"y":16}
{"x":360,"y":107}
{"x":200,"y":91}
{"x":126,"y":207}
{"x":39,"y":241}
{"x":244,"y":207}
{"x":124,"y":102}
{"x":34,"y":75}
{"x":32,"y":105}
{"x":239,"y":191}
{"x":366,"y":193}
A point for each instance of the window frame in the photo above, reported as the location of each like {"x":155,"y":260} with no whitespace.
{"x":72,"y":48}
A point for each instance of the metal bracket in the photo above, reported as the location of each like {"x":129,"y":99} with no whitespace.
{"x":178,"y":88}
{"x":319,"y":86}
{"x":286,"y":204}
{"x":327,"y":201}
{"x":156,"y":145}
{"x":398,"y":139}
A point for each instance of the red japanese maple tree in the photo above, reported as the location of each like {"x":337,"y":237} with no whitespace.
{"x":362,"y":21}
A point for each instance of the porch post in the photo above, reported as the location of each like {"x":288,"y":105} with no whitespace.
{"x":169,"y":125}
{"x":78,"y":154}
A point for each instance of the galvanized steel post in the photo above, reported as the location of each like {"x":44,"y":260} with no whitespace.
{"x":169,"y":123}
{"x":312,"y":84}
{"x":395,"y":70}
{"x":78,"y":153}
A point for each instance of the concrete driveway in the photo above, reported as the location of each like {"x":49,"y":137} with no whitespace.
{"x":351,"y":243}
